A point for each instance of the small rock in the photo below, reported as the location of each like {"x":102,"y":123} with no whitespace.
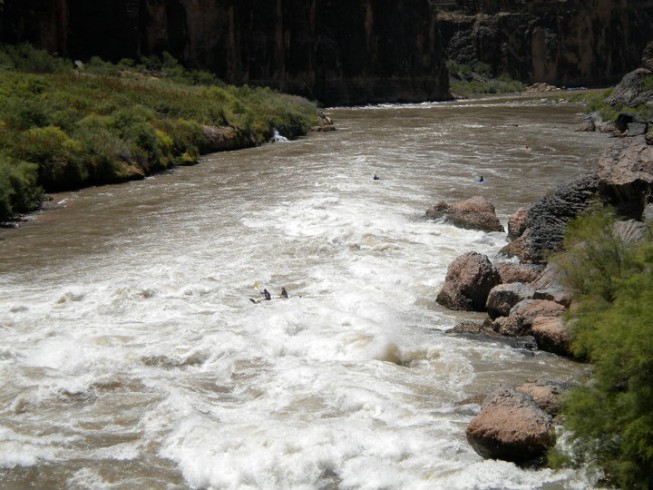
{"x":504,"y":296}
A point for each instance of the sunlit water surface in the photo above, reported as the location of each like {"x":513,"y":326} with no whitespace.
{"x":131,"y":355}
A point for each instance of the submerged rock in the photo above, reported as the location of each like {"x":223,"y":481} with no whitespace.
{"x":510,"y":426}
{"x":476,"y":213}
{"x":468,"y":282}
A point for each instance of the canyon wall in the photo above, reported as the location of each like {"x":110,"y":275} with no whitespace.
{"x":562,"y":42}
{"x":334,"y":51}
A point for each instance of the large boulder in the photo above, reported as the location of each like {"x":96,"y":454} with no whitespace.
{"x":468,"y":282}
{"x":521,"y":317}
{"x":476,"y":213}
{"x":625,"y":172}
{"x":546,"y":394}
{"x":631,"y":90}
{"x":510,"y":426}
{"x":551,"y":335}
{"x":511,"y":272}
{"x":504,"y":296}
{"x":517,"y":223}
{"x":549,"y":286}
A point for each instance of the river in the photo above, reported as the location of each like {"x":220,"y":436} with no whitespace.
{"x":132,"y":356}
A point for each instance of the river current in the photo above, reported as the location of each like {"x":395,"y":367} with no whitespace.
{"x":133,"y":356}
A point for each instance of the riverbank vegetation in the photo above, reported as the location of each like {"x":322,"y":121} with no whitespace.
{"x":597,"y":102}
{"x":469,"y":81}
{"x":610,"y":417}
{"x":66,"y":125}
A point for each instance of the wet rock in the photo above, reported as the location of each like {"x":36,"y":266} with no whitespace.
{"x":625,"y":173}
{"x":511,"y":427}
{"x":469,"y":327}
{"x":587,"y":126}
{"x":551,"y":335}
{"x":517,"y":223}
{"x":516,"y":248}
{"x":468,"y":282}
{"x":475,"y":213}
{"x":503,"y":297}
{"x":546,"y":394}
{"x":520,"y":320}
{"x":511,"y":272}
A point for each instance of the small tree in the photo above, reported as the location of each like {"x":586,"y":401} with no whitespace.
{"x":611,"y":418}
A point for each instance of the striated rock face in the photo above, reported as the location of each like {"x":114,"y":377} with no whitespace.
{"x":566,"y":42}
{"x":511,"y":426}
{"x":547,"y":218}
{"x":338,"y":51}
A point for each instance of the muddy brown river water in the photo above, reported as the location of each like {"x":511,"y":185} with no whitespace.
{"x":131,"y":355}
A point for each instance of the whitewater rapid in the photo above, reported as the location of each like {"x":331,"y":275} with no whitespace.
{"x":132,"y":356}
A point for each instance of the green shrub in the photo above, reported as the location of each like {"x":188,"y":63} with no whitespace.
{"x":27,"y":58}
{"x":57,"y":155}
{"x":105,"y":122}
{"x":610,"y":418}
{"x":19,"y":192}
{"x":104,"y":153}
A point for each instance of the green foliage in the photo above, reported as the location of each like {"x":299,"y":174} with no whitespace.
{"x":468,"y":81}
{"x":647,"y":83}
{"x":103,"y":122}
{"x":19,"y":191}
{"x":26,"y":58}
{"x":610,"y":417}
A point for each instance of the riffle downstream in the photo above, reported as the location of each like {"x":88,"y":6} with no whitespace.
{"x":132,"y":356}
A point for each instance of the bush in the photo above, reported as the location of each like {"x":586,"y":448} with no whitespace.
{"x":57,"y":156}
{"x":610,"y":417}
{"x":105,"y":122}
{"x":19,"y":192}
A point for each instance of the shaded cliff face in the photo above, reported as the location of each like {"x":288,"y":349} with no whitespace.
{"x":565,"y":42}
{"x":335,"y":51}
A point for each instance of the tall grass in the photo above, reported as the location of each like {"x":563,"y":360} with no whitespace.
{"x":75,"y":125}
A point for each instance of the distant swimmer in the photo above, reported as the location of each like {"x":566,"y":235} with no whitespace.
{"x":376,"y":177}
{"x":266,"y":294}
{"x":480,"y":179}
{"x":527,"y":147}
{"x":284,"y":293}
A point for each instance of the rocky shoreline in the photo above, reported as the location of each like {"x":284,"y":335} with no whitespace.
{"x":524,"y":295}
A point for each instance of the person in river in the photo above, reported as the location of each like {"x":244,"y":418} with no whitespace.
{"x":266,"y":294}
{"x":376,"y":177}
{"x":284,"y":293}
{"x":480,"y":179}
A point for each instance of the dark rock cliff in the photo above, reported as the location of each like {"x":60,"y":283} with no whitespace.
{"x":335,"y":51}
{"x":562,"y":42}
